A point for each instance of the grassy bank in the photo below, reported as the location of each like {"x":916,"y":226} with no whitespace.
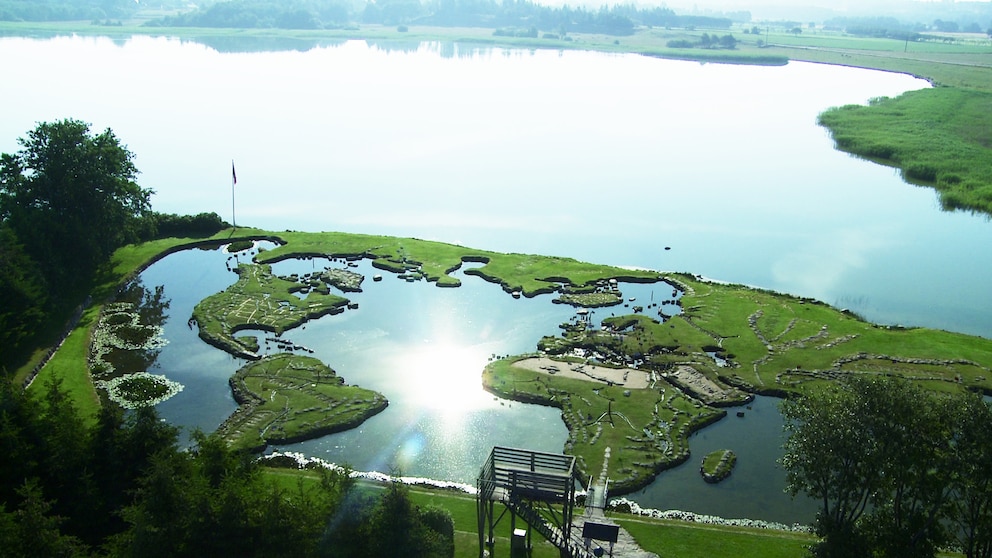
{"x":937,"y":137}
{"x":70,"y":362}
{"x":663,"y":537}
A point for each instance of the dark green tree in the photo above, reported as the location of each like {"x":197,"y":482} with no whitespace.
{"x":33,"y":531}
{"x":910,"y":429}
{"x":71,"y":198}
{"x":971,"y":505}
{"x":22,"y":295}
{"x":828,"y":457}
{"x":878,"y":453}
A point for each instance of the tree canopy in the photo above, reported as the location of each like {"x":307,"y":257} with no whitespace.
{"x":124,"y":487}
{"x":70,"y":197}
{"x":899,"y":470}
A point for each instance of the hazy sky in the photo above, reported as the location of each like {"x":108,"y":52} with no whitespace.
{"x":801,"y":9}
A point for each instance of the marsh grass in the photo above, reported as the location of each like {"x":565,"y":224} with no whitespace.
{"x":939,"y":137}
{"x":780,"y":343}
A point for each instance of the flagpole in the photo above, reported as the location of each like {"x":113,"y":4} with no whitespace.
{"x":234,"y":180}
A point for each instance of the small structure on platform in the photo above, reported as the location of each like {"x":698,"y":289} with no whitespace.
{"x":595,"y":531}
{"x":535,"y":486}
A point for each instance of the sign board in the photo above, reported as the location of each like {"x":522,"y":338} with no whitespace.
{"x":600,"y":531}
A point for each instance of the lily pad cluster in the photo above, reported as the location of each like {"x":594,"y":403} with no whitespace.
{"x":120,"y":329}
{"x":122,"y":349}
{"x":140,"y":389}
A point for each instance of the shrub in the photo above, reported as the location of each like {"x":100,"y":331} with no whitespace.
{"x":924,"y":172}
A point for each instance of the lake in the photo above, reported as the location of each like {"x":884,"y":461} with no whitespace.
{"x":608,"y":158}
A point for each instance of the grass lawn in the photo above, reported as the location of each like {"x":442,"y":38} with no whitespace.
{"x":663,"y":537}
{"x":691,"y":540}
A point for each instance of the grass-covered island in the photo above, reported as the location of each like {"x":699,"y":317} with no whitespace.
{"x":717,"y":465}
{"x":286,"y":398}
{"x":639,"y":384}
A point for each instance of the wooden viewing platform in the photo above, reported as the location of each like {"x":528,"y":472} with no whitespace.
{"x":538,"y":487}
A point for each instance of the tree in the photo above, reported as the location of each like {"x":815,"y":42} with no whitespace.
{"x":71,"y":198}
{"x":828,"y":456}
{"x":911,"y":429}
{"x":879,"y":444}
{"x":22,"y":294}
{"x":32,"y":531}
{"x":971,"y":505}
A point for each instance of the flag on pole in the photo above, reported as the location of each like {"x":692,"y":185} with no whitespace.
{"x":234,"y":180}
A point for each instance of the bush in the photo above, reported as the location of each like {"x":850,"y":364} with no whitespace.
{"x":160,"y":225}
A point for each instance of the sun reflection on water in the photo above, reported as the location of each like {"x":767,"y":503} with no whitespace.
{"x":442,"y":385}
{"x":444,"y":378}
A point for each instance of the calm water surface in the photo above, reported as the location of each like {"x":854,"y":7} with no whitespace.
{"x":605,"y":158}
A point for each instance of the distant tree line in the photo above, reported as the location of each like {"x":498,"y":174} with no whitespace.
{"x":706,"y":41}
{"x":522,"y":14}
{"x":124,"y":488}
{"x":68,"y":199}
{"x":65,"y":10}
{"x":892,"y":28}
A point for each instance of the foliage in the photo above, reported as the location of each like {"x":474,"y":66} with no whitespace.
{"x":71,"y":199}
{"x":705,"y":41}
{"x":67,"y":200}
{"x":507,"y":18}
{"x":22,"y":295}
{"x":890,"y":462}
{"x":123,"y":486}
{"x":162,"y":225}
{"x":971,"y":500}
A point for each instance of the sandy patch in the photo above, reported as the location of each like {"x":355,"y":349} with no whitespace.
{"x":627,"y":377}
{"x":690,"y":379}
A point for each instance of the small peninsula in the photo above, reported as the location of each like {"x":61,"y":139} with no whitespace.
{"x":286,"y":398}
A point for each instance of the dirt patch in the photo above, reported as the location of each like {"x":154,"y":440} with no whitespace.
{"x":627,"y":377}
